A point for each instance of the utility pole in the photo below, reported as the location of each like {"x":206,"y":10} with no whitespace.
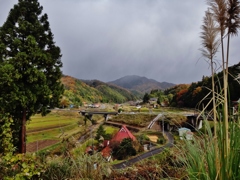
{"x":163,"y":126}
{"x":92,"y":140}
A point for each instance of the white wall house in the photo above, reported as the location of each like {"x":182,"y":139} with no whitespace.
{"x":185,"y":132}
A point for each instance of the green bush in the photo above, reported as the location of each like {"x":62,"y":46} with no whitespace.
{"x":142,"y":138}
{"x":124,"y":150}
{"x":161,"y":140}
{"x":16,"y":166}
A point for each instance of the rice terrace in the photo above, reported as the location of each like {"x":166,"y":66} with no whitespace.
{"x":50,"y":129}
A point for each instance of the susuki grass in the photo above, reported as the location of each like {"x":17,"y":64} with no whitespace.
{"x":80,"y":166}
{"x":216,"y":155}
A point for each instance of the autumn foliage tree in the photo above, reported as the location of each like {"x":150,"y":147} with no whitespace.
{"x":30,"y":65}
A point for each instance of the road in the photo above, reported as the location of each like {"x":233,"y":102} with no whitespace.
{"x":147,"y":154}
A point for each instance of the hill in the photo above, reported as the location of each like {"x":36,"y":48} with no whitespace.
{"x":141,"y":84}
{"x":115,"y":93}
{"x":79,"y":91}
{"x":194,"y":95}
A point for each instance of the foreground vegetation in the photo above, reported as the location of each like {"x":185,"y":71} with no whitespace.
{"x":70,"y":155}
{"x":173,"y":163}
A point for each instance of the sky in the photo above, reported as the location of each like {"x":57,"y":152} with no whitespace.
{"x":109,"y":39}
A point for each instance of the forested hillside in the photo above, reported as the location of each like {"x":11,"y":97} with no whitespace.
{"x":78,"y":91}
{"x":111,"y":92}
{"x":195,"y":94}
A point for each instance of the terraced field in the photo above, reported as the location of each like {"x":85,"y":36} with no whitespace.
{"x":51,"y":129}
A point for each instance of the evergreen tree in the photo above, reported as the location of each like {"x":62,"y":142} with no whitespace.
{"x":124,"y":150}
{"x":146,"y":98}
{"x":30,"y":65}
{"x":100,"y":133}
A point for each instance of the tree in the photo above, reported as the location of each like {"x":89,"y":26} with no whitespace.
{"x":100,"y":133}
{"x":146,"y":98}
{"x":30,"y":65}
{"x":124,"y":150}
{"x":170,"y":97}
{"x":64,"y":102}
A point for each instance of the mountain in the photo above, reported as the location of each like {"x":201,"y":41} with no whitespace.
{"x":141,"y":84}
{"x":79,"y":91}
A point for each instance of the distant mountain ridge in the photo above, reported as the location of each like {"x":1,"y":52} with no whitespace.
{"x":141,"y":84}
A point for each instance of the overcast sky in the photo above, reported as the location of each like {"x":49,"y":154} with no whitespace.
{"x":109,"y":39}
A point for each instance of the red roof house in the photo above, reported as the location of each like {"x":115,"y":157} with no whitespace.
{"x":106,"y":153}
{"x":90,"y":149}
{"x":122,"y":134}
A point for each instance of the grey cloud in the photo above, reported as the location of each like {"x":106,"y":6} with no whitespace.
{"x":108,"y":39}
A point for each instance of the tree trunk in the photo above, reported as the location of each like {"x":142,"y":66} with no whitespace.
{"x":23,"y":133}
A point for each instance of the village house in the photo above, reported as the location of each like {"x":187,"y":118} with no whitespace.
{"x":122,"y":134}
{"x":106,"y":144}
{"x":185,"y":133}
{"x":117,"y":138}
{"x":153,"y":100}
{"x":235,"y":105}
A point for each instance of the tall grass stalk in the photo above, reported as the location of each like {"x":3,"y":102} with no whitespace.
{"x":210,"y":45}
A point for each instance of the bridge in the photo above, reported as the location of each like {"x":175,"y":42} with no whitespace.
{"x":89,"y":114}
{"x":154,"y":120}
{"x":193,"y":122}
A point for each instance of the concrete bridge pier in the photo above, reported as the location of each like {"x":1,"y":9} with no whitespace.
{"x":89,"y":116}
{"x":165,"y":126}
{"x":194,"y":122}
{"x":106,"y":116}
{"x":82,"y":113}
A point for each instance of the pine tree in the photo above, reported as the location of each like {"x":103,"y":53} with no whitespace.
{"x":30,"y":65}
{"x":100,"y":133}
{"x":146,"y":98}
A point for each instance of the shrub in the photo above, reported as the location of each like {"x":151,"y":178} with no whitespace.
{"x":16,"y":166}
{"x":124,"y":150}
{"x":161,"y":140}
